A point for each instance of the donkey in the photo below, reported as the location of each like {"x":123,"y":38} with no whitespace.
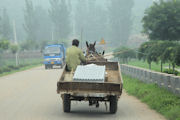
{"x":91,"y":53}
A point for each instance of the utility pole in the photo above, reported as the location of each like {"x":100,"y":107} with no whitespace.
{"x":15,"y":40}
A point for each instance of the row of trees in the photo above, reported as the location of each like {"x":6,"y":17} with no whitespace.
{"x":6,"y":31}
{"x":113,"y":21}
{"x":62,"y":20}
{"x":6,"y":45}
{"x":42,"y":26}
{"x":160,"y":51}
{"x":125,"y":54}
{"x":161,"y":22}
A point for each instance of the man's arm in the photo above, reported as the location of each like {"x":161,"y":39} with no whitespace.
{"x":82,"y":57}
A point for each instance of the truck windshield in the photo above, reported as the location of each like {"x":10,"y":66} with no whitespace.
{"x":52,"y":50}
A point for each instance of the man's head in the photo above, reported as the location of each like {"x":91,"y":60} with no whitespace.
{"x":75,"y":42}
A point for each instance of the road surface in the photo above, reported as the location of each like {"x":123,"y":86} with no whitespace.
{"x":31,"y":95}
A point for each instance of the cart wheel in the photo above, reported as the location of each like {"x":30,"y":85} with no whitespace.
{"x":66,"y":103}
{"x":113,"y":104}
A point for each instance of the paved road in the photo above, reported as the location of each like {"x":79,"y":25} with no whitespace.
{"x":31,"y":95}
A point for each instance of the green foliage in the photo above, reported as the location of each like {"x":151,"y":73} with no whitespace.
{"x":4,"y":44}
{"x":162,"y":21}
{"x":155,"y":51}
{"x":124,"y":54}
{"x":10,"y":68}
{"x":14,"y":48}
{"x":157,"y":98}
{"x":171,"y":71}
{"x":177,"y":55}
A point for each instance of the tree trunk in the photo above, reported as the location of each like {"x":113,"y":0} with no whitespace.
{"x":169,"y":66}
{"x":173,"y":67}
{"x":150,"y":66}
{"x":161,"y":66}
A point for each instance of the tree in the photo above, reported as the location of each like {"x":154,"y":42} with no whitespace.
{"x":81,"y":20}
{"x":14,"y":48}
{"x":157,"y":51}
{"x":177,"y":55}
{"x":60,"y":15}
{"x":6,"y":28}
{"x":169,"y":56}
{"x":144,"y":50}
{"x":4,"y":44}
{"x":43,"y":23}
{"x":163,"y":51}
{"x":120,"y":13}
{"x":30,"y":25}
{"x":124,"y":54}
{"x":162,"y":21}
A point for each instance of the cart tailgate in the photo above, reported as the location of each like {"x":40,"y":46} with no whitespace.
{"x":85,"y":87}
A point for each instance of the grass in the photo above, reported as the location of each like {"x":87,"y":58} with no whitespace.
{"x":144,"y":64}
{"x":157,"y":98}
{"x":20,"y":69}
{"x":7,"y":62}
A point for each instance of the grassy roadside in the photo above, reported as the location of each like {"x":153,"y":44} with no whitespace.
{"x":20,"y":69}
{"x":157,"y":98}
{"x":154,"y":66}
{"x":144,"y":64}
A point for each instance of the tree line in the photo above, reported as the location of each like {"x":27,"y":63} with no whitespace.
{"x":62,"y":21}
{"x":161,"y":24}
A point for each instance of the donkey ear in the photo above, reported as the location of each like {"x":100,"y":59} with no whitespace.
{"x":94,"y":43}
{"x":103,"y":52}
{"x":87,"y":44}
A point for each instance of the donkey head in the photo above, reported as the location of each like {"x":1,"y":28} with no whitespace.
{"x":91,"y":47}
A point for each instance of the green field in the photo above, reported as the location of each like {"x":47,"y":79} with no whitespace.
{"x":26,"y":67}
{"x":7,"y":62}
{"x":156,"y":98}
{"x":9,"y":66}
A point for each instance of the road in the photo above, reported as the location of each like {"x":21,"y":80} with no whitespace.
{"x":31,"y":95}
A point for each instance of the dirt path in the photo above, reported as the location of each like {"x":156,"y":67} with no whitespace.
{"x":31,"y":95}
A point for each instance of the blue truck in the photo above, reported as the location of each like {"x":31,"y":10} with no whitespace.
{"x":54,"y":55}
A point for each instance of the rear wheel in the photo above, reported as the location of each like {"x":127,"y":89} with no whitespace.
{"x":113,"y":104}
{"x":67,"y":103}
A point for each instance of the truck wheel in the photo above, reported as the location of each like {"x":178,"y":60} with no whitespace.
{"x":66,"y":103}
{"x":113,"y":104}
{"x":46,"y":67}
{"x":61,"y":66}
{"x":51,"y":66}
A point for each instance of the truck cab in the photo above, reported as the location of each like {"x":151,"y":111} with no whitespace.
{"x":54,"y":55}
